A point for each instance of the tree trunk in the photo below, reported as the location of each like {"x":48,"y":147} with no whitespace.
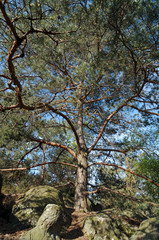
{"x":81,"y":183}
{"x":81,"y":176}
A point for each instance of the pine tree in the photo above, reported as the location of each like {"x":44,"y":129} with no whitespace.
{"x":77,"y":76}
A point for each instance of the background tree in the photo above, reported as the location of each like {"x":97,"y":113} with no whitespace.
{"x":77,"y":76}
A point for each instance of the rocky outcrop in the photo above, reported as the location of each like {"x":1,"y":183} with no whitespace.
{"x":109,"y":225}
{"x":27,"y":212}
{"x":112,"y":224}
{"x":49,"y":225}
{"x":149,"y":229}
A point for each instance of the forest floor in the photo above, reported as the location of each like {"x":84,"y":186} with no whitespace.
{"x":75,"y":230}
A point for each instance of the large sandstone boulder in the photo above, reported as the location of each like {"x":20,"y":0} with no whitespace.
{"x":48,"y":226}
{"x":27,"y":212}
{"x":149,"y":229}
{"x":108,"y":225}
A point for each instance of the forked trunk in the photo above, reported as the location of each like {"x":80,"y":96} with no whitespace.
{"x":81,"y":183}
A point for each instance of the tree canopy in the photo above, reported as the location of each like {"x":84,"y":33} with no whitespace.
{"x":79,"y":87}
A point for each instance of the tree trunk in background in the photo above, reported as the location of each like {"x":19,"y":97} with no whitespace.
{"x":81,"y":183}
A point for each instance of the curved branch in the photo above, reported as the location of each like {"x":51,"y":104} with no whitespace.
{"x":110,"y":150}
{"x":55,"y":145}
{"x":37,"y":165}
{"x":17,"y":42}
{"x":104,"y":126}
{"x":3,"y":109}
{"x":12,"y":69}
{"x":68,"y":120}
{"x":103,"y":189}
{"x":114,"y":113}
{"x":126,"y":170}
{"x":8,"y":21}
{"x":42,"y":106}
{"x":141,"y":110}
{"x":124,"y":150}
{"x":27,"y":154}
{"x":5,"y":76}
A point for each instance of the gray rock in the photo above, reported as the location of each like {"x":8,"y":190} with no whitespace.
{"x":48,"y":226}
{"x":39,"y":234}
{"x":108,"y":225}
{"x":51,"y":218}
{"x":149,"y":229}
{"x":27,"y":212}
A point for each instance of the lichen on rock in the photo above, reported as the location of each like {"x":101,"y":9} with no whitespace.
{"x":148,"y":229}
{"x":49,"y":225}
{"x":107,"y":225}
{"x":29,"y":209}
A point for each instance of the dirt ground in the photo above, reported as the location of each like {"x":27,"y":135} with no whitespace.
{"x":76,"y":231}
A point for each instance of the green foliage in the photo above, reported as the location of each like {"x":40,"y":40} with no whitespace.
{"x":149,"y":166}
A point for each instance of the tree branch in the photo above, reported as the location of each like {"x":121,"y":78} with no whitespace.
{"x":114,"y":113}
{"x":55,"y":145}
{"x":141,"y":110}
{"x":110,"y":150}
{"x":103,"y":189}
{"x":37,"y":165}
{"x":8,"y":21}
{"x":126,"y":170}
{"x":27,"y":154}
{"x":69,"y":122}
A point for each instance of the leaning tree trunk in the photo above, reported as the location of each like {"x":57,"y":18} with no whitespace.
{"x":81,"y":183}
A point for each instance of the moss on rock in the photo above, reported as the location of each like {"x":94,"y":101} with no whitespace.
{"x":108,"y":225}
{"x":31,"y":206}
{"x":149,"y":229}
{"x":49,"y":225}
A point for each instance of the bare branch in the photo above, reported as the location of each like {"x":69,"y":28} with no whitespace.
{"x":103,"y":189}
{"x":27,"y":154}
{"x":37,"y":165}
{"x":47,"y":107}
{"x":126,"y":170}
{"x":113,"y":114}
{"x":110,"y":150}
{"x":2,"y":109}
{"x":69,"y":122}
{"x":12,"y":69}
{"x":4,"y":89}
{"x":4,"y":76}
{"x":141,"y":110}
{"x":55,"y":145}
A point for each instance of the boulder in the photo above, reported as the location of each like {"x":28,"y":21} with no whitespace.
{"x":108,"y":225}
{"x":27,"y":212}
{"x":49,"y":225}
{"x":148,"y":229}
